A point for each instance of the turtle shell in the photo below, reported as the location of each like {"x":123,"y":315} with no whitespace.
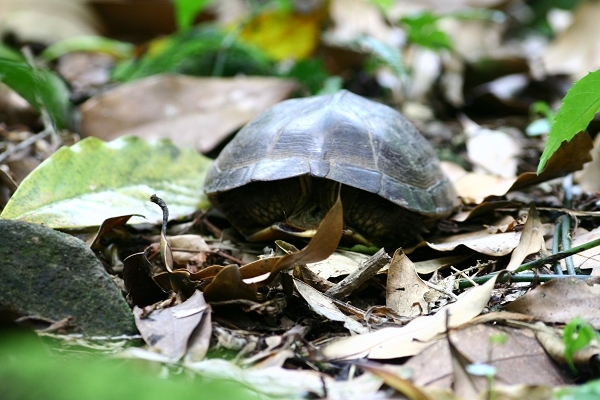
{"x":340,"y":137}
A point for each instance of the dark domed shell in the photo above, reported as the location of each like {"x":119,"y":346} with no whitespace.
{"x":342,"y":137}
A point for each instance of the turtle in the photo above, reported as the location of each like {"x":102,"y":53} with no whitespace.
{"x":281,"y":172}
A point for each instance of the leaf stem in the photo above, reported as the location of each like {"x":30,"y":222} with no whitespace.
{"x":157,"y":200}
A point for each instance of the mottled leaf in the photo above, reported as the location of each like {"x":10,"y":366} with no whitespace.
{"x":87,"y":183}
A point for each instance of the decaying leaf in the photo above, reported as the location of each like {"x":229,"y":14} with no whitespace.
{"x":45,"y":21}
{"x":169,"y":330}
{"x":337,"y":264}
{"x":395,"y":379}
{"x":491,"y":151}
{"x":570,"y":157}
{"x":589,"y":177}
{"x":588,"y":259}
{"x":188,"y":245}
{"x":288,"y":383}
{"x":321,"y":246}
{"x":365,"y":271}
{"x":85,"y":184}
{"x":389,"y":343}
{"x":519,"y":360}
{"x":355,"y":18}
{"x":474,"y":187}
{"x":464,"y":384}
{"x":435,"y":264}
{"x":324,"y":306}
{"x":491,"y":244}
{"x":192,"y":112}
{"x":106,"y":227}
{"x":531,"y":242}
{"x":228,"y":285}
{"x":572,"y":52}
{"x":141,"y":289}
{"x":404,"y":288}
{"x":233,"y":282}
{"x":561,"y":300}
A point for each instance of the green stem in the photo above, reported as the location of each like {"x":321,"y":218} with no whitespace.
{"x":463,"y":283}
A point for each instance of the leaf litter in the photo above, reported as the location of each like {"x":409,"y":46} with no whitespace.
{"x":251,"y":308}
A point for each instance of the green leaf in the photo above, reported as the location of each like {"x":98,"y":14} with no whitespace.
{"x":578,"y":108}
{"x":43,"y":89}
{"x":311,"y":74}
{"x":93,"y":180}
{"x":28,"y":371}
{"x":9,"y":54}
{"x":88,"y":43}
{"x":186,"y":11}
{"x":382,"y":53}
{"x":588,"y":391}
{"x":422,"y":30}
{"x":577,"y":335}
{"x":200,"y":51}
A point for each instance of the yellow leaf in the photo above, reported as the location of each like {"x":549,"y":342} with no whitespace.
{"x":283,"y":34}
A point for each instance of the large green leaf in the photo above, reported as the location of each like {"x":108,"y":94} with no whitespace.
{"x":578,"y":108}
{"x":94,"y":180}
{"x":43,"y":89}
{"x":30,"y":371}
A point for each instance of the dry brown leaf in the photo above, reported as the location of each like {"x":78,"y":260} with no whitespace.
{"x":561,"y":300}
{"x":488,"y":208}
{"x":47,"y":21}
{"x":588,"y":259}
{"x":531,"y":242}
{"x":491,"y":151}
{"x":465,"y":385}
{"x":519,"y":360}
{"x":228,"y":285}
{"x":395,"y":380}
{"x":192,"y":112}
{"x":168,"y":330}
{"x":324,"y":306}
{"x":452,"y":170}
{"x":575,"y":50}
{"x":142,"y":289}
{"x":276,"y":359}
{"x":337,"y":264}
{"x":404,"y":290}
{"x":106,"y":227}
{"x":199,"y":341}
{"x":473,"y":39}
{"x":570,"y":157}
{"x":589,"y":176}
{"x":475,"y":187}
{"x":355,"y":18}
{"x":496,"y":244}
{"x":408,"y":340}
{"x":188,"y":246}
{"x":435,"y":264}
{"x":289,"y":383}
{"x":321,"y":246}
